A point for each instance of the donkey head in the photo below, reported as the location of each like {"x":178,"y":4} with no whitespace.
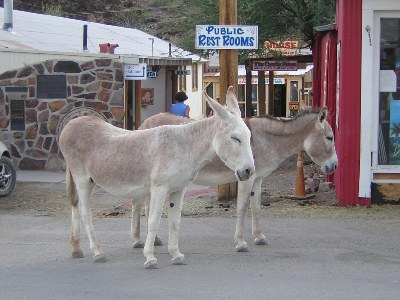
{"x":232,"y":139}
{"x":320,"y":144}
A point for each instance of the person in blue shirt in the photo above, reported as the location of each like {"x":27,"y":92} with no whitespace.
{"x":179,"y":107}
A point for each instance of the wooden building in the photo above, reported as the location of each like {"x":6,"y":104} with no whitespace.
{"x":357,"y":75}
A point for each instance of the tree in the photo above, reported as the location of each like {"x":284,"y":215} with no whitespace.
{"x":276,"y":19}
{"x":279,"y":20}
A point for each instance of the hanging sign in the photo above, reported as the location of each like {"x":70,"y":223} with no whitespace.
{"x":254,"y":80}
{"x":182,"y":72}
{"x":286,"y":48}
{"x":136,"y":72}
{"x":226,"y":37}
{"x":151,"y":74}
{"x":274,"y":65}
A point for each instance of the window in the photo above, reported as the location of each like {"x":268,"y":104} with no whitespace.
{"x":389,"y":95}
{"x":294,"y":91}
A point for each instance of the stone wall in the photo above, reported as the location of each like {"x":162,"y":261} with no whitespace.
{"x":93,"y":87}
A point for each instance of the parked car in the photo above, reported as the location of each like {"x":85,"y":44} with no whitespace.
{"x":8,"y":175}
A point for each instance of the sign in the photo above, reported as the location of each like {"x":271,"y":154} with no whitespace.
{"x":51,"y":86}
{"x":294,"y":105}
{"x":182,"y":72}
{"x":226,"y":37}
{"x":213,"y":59}
{"x":286,"y":48}
{"x":266,"y":81}
{"x":151,"y":74}
{"x":274,"y":65}
{"x":136,"y":72}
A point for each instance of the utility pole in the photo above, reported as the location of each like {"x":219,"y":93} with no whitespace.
{"x":228,"y":61}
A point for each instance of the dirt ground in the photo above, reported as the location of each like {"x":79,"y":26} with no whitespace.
{"x":49,"y":199}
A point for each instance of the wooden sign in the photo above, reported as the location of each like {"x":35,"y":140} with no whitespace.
{"x":274,"y":65}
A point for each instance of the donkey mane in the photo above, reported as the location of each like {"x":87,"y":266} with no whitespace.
{"x":303,"y":112}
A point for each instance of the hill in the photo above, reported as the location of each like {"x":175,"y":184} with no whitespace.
{"x":161,"y":18}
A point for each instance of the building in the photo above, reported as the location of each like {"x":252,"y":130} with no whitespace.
{"x":357,"y":75}
{"x":54,"y":69}
{"x":290,"y":87}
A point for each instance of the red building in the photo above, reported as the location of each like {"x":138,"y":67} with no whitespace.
{"x":357,"y":75}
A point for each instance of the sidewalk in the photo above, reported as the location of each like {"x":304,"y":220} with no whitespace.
{"x":59,"y":176}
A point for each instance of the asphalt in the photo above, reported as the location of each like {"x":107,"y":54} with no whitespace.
{"x":335,"y":257}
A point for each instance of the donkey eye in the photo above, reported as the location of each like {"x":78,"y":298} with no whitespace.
{"x":329,"y":138}
{"x":236,"y":139}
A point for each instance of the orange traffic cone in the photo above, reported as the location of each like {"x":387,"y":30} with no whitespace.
{"x":300,"y":190}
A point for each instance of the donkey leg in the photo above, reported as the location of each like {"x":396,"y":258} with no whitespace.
{"x":75,"y":232}
{"x":75,"y":217}
{"x":255,"y":206}
{"x":135,"y":223}
{"x":174,"y":220}
{"x":85,"y":188}
{"x":244,"y":190}
{"x":157,"y":199}
{"x":157,"y":240}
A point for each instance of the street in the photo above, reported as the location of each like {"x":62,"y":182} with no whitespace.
{"x":327,"y":257}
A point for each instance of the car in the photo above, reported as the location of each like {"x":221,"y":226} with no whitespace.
{"x":8,"y":174}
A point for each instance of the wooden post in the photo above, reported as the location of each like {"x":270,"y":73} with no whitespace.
{"x":261,"y":94}
{"x":138,"y":106}
{"x":271,"y":97}
{"x":249,"y":105}
{"x":228,"y":61}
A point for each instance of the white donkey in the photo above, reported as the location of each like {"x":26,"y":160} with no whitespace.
{"x":155,"y":162}
{"x":273,"y":140}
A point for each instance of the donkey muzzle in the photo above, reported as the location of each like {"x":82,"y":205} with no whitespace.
{"x":244,"y":173}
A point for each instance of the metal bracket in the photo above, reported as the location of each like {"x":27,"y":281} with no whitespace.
{"x":368,"y":30}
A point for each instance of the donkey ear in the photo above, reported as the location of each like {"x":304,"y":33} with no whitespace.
{"x":231,"y":102}
{"x":216,"y":107}
{"x":323,"y":114}
{"x":303,"y":105}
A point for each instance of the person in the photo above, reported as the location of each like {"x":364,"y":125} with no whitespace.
{"x":179,"y":107}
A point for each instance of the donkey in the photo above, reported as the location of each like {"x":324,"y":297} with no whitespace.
{"x":155,"y":162}
{"x":273,"y":140}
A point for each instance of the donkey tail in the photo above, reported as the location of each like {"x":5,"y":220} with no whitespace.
{"x":71,"y":189}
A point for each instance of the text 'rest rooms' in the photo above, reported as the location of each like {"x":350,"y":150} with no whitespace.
{"x":225,"y":37}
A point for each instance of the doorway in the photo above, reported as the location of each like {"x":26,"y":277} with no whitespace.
{"x":280,"y":100}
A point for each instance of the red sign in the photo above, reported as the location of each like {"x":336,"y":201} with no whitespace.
{"x":274,"y":65}
{"x":286,"y":48}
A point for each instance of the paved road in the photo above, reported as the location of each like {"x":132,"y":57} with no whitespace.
{"x":328,"y":258}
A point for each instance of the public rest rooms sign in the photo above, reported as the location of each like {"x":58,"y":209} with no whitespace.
{"x":226,"y":37}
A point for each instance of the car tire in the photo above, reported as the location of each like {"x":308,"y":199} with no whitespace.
{"x":8,"y":176}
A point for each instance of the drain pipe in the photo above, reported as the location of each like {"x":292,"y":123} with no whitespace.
{"x":85,"y":38}
{"x":8,"y":15}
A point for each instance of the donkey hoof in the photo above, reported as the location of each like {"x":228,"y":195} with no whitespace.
{"x":151,"y":264}
{"x":242,"y":248}
{"x":99,"y":258}
{"x":77,"y":254}
{"x":261,"y":241}
{"x":138,"y":244}
{"x":178,"y":260}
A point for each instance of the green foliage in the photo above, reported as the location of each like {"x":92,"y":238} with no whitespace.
{"x":128,"y":18}
{"x":54,"y":10}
